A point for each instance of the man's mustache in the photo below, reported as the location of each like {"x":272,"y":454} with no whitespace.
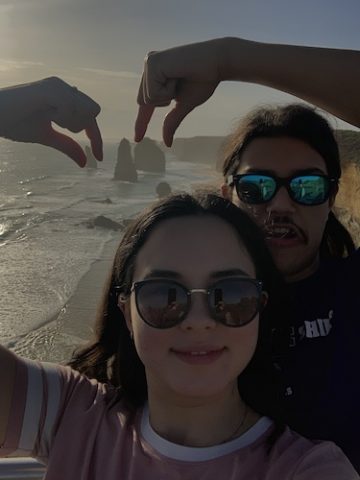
{"x":276,"y":221}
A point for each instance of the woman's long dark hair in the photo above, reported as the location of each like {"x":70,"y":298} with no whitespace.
{"x":111,"y":356}
{"x":305,"y":124}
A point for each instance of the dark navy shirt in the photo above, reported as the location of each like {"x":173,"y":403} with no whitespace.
{"x":320,"y":370}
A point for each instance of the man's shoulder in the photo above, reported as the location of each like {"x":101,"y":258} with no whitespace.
{"x":352,"y":259}
{"x":338,"y":265}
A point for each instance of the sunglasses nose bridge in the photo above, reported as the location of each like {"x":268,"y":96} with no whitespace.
{"x":198,"y":290}
{"x":198,"y":316}
{"x":202,"y":300}
{"x":282,"y":200}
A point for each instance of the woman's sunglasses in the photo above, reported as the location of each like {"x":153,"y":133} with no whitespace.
{"x":256,"y":188}
{"x":234,"y":302}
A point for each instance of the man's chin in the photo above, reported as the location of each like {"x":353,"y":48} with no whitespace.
{"x":292,"y":265}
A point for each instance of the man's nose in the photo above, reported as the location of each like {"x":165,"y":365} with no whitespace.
{"x":281,"y":202}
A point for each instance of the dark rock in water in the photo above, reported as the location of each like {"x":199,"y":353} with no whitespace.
{"x":125,"y":169}
{"x":163,"y":189}
{"x":90,"y":159}
{"x":149,"y":157}
{"x":104,"y":222}
{"x":107,"y":201}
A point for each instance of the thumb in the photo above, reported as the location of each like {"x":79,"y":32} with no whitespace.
{"x":173,"y":120}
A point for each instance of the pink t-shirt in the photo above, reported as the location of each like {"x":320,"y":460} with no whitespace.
{"x":61,"y":418}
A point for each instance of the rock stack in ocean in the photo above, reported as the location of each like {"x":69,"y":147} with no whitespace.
{"x":125,"y":168}
{"x":149,"y":157}
{"x":90,"y":159}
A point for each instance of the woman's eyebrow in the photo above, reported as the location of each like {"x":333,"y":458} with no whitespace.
{"x":162,"y":274}
{"x":233,"y":272}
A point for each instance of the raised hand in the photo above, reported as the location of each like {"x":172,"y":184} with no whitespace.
{"x":27,"y":112}
{"x":188,"y":74}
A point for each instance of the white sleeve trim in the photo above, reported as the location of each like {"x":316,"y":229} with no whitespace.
{"x":53,"y":402}
{"x":32,"y":414}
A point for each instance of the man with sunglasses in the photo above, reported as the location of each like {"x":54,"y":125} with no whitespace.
{"x":282,"y":166}
{"x":293,"y":243}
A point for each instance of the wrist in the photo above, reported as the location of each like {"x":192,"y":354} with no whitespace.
{"x":242,"y":60}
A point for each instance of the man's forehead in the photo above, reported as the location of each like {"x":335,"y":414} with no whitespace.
{"x":275,"y":172}
{"x":282,"y":155}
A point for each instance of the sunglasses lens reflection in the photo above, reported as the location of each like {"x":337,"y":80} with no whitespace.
{"x":234,"y":302}
{"x":310,"y":189}
{"x":164,"y":304}
{"x":255,"y":188}
{"x":303,"y":189}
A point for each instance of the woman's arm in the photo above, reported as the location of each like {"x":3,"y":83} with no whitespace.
{"x":7,"y":380}
{"x":27,"y":112}
{"x":189,"y":74}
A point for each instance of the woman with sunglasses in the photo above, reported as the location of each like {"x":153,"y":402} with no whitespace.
{"x":162,"y":391}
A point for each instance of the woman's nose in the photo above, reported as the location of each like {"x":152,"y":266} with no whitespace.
{"x":198,"y":316}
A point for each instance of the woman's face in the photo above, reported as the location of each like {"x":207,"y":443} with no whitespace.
{"x":198,"y":357}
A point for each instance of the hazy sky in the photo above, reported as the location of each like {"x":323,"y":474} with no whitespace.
{"x":99,"y":46}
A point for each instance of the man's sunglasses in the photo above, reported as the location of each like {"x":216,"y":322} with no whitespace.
{"x":256,"y":188}
{"x":234,"y":302}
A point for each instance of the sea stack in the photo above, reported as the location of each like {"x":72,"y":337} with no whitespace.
{"x":125,"y":169}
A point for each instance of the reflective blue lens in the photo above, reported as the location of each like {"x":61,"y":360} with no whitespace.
{"x":255,"y":188}
{"x":309,"y":189}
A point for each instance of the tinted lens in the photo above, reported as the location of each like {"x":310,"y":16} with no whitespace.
{"x":235,"y":302}
{"x":310,"y":189}
{"x":255,"y":188}
{"x":161,"y":304}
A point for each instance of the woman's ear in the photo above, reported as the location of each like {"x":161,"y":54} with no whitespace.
{"x":264,"y":299}
{"x":124,"y":305}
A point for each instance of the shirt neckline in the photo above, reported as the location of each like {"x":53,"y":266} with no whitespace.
{"x":200,"y":454}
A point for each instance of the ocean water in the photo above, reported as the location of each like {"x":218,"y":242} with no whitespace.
{"x":45,"y":244}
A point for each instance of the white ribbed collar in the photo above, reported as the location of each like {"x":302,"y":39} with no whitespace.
{"x":200,"y":454}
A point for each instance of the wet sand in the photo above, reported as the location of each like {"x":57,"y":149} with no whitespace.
{"x":72,"y":327}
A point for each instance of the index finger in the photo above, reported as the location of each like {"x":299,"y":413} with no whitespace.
{"x":143,"y":118}
{"x":66,"y":145}
{"x":94,"y":135}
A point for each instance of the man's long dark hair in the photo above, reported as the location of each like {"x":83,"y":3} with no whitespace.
{"x":303,"y":123}
{"x":111,"y":357}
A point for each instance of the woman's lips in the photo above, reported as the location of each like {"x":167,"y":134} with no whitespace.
{"x":199,"y":356}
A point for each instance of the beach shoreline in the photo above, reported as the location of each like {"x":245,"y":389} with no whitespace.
{"x":72,"y":326}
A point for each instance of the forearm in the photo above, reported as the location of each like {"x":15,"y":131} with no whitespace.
{"x":7,"y":379}
{"x":16,"y":103}
{"x":328,"y":78}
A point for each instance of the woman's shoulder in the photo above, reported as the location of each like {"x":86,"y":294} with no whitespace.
{"x":67,"y":388}
{"x":312,"y":458}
